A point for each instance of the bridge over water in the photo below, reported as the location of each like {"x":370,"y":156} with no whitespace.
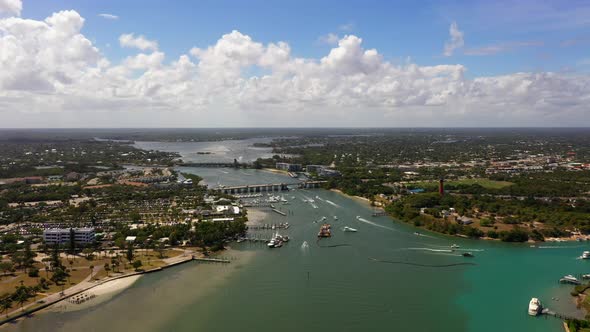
{"x":269,"y":187}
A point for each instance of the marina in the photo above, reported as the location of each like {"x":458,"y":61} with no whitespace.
{"x":311,"y":269}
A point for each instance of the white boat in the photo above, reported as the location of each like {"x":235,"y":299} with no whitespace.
{"x":277,"y":241}
{"x":335,"y":218}
{"x":455,"y":246}
{"x":585,"y":276}
{"x":349,"y":229}
{"x":570,"y":279}
{"x":585,"y":255}
{"x":324,"y":218}
{"x":358,"y":217}
{"x":535,"y":307}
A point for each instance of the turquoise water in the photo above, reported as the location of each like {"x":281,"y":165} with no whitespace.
{"x":340,"y":288}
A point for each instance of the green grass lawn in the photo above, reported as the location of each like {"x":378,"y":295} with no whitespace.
{"x":486,"y":183}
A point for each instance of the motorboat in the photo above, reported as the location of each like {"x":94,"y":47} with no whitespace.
{"x":467,"y":254}
{"x":276,"y":241}
{"x":358,"y":217}
{"x":335,"y":218}
{"x":585,"y":276}
{"x":418,"y":233}
{"x":455,"y":246}
{"x":349,"y":229}
{"x":585,"y":255}
{"x":570,"y":279}
{"x":325,"y":231}
{"x":324,"y":218}
{"x":535,"y":307}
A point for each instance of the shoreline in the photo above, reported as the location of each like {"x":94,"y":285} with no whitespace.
{"x":572,"y":238}
{"x":360,"y":199}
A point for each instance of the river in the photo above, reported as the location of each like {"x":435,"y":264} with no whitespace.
{"x":365,"y":282}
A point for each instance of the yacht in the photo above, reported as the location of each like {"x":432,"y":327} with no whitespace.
{"x":275,"y":242}
{"x":349,"y":229}
{"x":535,"y":307}
{"x":585,"y":255}
{"x":569,"y":279}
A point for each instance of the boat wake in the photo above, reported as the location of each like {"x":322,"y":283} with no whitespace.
{"x":304,"y":246}
{"x":417,"y":264}
{"x":331,"y":203}
{"x":429,"y":249}
{"x":376,"y":224}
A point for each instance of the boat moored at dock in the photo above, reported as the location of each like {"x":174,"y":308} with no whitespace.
{"x":535,"y":307}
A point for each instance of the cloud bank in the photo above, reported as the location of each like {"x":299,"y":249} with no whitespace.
{"x":53,"y":75}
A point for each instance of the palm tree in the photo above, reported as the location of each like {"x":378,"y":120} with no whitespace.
{"x":21,"y":298}
{"x":6,"y":304}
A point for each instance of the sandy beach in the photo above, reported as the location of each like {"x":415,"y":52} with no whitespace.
{"x":96,"y":295}
{"x":356,"y":198}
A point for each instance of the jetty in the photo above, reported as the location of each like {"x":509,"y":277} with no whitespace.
{"x":279,"y":212}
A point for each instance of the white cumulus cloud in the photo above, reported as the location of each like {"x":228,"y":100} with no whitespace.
{"x":10,"y":7}
{"x":140,"y":42}
{"x":52,"y":75}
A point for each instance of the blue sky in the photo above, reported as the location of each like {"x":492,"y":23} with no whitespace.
{"x":222,"y":63}
{"x":531,"y":36}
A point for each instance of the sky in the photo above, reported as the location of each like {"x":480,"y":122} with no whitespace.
{"x":112,"y":63}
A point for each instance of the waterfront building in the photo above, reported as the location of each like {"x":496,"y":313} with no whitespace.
{"x":289,"y":167}
{"x":314,"y":168}
{"x":62,"y":235}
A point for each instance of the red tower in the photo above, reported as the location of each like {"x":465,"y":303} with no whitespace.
{"x":441,"y":186}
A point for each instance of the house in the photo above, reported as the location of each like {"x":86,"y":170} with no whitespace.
{"x":464,"y":220}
